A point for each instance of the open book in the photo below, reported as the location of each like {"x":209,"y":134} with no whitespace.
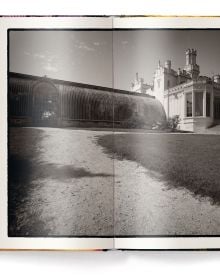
{"x":110,"y":133}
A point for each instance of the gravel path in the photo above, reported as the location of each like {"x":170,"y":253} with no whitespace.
{"x":147,"y":206}
{"x":73,"y":194}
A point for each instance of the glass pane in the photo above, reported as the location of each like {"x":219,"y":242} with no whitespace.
{"x":199,"y":103}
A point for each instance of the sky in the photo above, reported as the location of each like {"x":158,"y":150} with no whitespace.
{"x":90,"y":56}
{"x":77,"y":56}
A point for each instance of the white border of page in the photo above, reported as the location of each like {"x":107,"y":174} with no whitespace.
{"x":86,"y":243}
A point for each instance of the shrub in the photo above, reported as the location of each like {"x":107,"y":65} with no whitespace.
{"x":171,"y":123}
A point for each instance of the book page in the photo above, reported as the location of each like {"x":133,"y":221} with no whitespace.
{"x":110,"y":135}
{"x":167,"y":160}
{"x":56,"y":80}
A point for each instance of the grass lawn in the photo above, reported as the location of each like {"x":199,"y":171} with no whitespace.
{"x":182,"y":160}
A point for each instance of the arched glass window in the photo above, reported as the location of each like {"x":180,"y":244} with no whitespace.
{"x":45,"y":103}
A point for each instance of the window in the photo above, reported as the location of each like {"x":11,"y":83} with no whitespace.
{"x":189,"y":104}
{"x":208,"y":103}
{"x":158,"y":83}
{"x":168,"y":84}
{"x":198,"y":104}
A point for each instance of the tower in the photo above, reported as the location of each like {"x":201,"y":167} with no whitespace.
{"x":140,"y":86}
{"x":168,"y":64}
{"x":191,"y":67}
{"x":158,"y":83}
{"x":164,"y":78}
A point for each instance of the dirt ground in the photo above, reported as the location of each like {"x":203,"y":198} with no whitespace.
{"x":61,"y":183}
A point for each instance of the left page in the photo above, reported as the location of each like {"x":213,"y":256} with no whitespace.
{"x":56,"y":102}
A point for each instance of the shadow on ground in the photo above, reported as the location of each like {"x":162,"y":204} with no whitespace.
{"x":25,"y":168}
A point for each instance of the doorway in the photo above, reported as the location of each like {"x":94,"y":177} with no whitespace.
{"x":217,"y":108}
{"x":45,"y":104}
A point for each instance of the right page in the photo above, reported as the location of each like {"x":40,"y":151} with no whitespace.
{"x":166,"y":156}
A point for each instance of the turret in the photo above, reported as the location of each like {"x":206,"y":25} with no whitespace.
{"x":168,"y":64}
{"x":191,"y":67}
{"x":139,"y":86}
{"x":216,"y":78}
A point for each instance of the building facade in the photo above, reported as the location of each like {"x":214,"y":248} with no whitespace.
{"x":194,"y":98}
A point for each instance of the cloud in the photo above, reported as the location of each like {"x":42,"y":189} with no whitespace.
{"x":50,"y":67}
{"x":42,"y":56}
{"x":99,"y":44}
{"x":83,"y":46}
{"x":27,"y":53}
{"x":48,"y":60}
{"x":35,"y":55}
{"x":39,"y":55}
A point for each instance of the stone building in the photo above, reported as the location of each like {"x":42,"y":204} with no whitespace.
{"x":42,"y":101}
{"x":194,"y":98}
{"x":140,"y":87}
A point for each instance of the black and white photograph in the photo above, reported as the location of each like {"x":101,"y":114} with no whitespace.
{"x":113,"y":133}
